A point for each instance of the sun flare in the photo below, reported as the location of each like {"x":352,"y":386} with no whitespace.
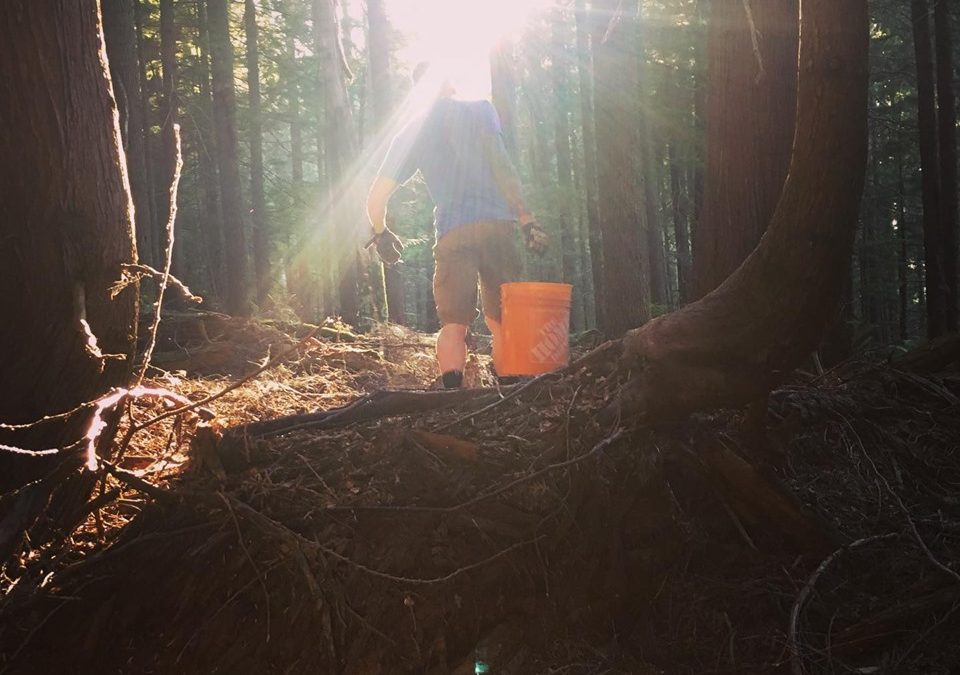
{"x":455,"y":36}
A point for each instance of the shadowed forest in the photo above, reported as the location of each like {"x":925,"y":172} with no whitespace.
{"x":230,"y":437}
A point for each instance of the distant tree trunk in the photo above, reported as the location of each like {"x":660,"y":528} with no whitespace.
{"x":503,"y":91}
{"x":936,"y":284}
{"x":296,"y":124}
{"x":258,"y":200}
{"x":737,"y":342}
{"x":383,"y":107}
{"x":568,"y":224}
{"x":340,"y":147}
{"x":585,"y":70}
{"x":902,"y":269}
{"x":751,"y":101}
{"x":68,"y":225}
{"x":698,"y":125}
{"x":947,"y":132}
{"x":236,"y":296}
{"x":169,"y":109}
{"x":212,"y":225}
{"x":156,"y":235}
{"x":626,"y":292}
{"x":120,"y":32}
{"x":681,"y":230}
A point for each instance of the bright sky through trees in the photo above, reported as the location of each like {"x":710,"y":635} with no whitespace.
{"x":455,"y":36}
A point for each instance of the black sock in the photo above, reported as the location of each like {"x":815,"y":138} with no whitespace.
{"x":453,"y":379}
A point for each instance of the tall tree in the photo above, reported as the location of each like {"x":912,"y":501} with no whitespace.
{"x":379,"y":42}
{"x":947,"y":134}
{"x":237,"y":294}
{"x":619,"y":157}
{"x":169,"y":110}
{"x":585,"y":19}
{"x":258,"y":200}
{"x":936,"y":284}
{"x":68,"y":230}
{"x":212,"y":218}
{"x":120,"y":33}
{"x":339,"y":146}
{"x":751,"y":101}
{"x":733,"y":345}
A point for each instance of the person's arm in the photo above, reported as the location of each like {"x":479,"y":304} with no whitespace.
{"x":377,"y":199}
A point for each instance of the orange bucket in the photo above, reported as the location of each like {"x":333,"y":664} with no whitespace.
{"x":536,"y":327}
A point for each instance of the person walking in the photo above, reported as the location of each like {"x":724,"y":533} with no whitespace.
{"x":457,"y":147}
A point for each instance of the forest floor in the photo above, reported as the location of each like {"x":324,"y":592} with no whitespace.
{"x":398,"y":531}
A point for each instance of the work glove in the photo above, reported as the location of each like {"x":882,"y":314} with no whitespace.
{"x":536,"y":238}
{"x":389,"y":246}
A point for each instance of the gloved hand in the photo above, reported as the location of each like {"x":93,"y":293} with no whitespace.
{"x":536,"y":238}
{"x":389,"y":246}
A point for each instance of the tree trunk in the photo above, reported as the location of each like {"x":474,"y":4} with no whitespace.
{"x":587,"y":130}
{"x":568,"y":224}
{"x":212,"y":225}
{"x":947,"y":133}
{"x":237,"y":298}
{"x":751,"y":101}
{"x":169,"y":109}
{"x":258,"y":201}
{"x":625,"y":289}
{"x":157,"y":235}
{"x":120,"y":33}
{"x":936,"y":285}
{"x":340,"y":147}
{"x":383,"y":107}
{"x":68,"y":225}
{"x":681,"y":230}
{"x":734,"y":344}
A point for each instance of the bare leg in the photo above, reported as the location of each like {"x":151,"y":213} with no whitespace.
{"x":452,"y":348}
{"x":496,"y":332}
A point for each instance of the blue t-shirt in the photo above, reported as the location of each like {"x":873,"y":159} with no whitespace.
{"x":449,"y":145}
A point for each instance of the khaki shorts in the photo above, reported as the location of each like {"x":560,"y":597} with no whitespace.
{"x":486,"y":249}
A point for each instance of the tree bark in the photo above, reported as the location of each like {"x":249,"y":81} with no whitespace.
{"x":936,"y":286}
{"x":258,"y":200}
{"x":947,"y":135}
{"x":237,"y":295}
{"x":68,"y":224}
{"x":587,"y":130}
{"x":212,"y":225}
{"x":339,"y":146}
{"x":626,"y":291}
{"x":120,"y":33}
{"x":169,"y":110}
{"x":750,"y":110}
{"x":734,"y":344}
{"x":383,"y":106}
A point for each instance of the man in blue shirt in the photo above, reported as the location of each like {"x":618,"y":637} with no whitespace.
{"x":457,"y":147}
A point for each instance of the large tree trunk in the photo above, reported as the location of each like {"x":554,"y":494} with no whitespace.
{"x":734,"y":344}
{"x":383,"y":106}
{"x":929,"y":171}
{"x":237,"y":296}
{"x":947,"y":133}
{"x":120,"y":33}
{"x":625,"y":289}
{"x":258,"y":201}
{"x":68,"y":224}
{"x":750,"y":106}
